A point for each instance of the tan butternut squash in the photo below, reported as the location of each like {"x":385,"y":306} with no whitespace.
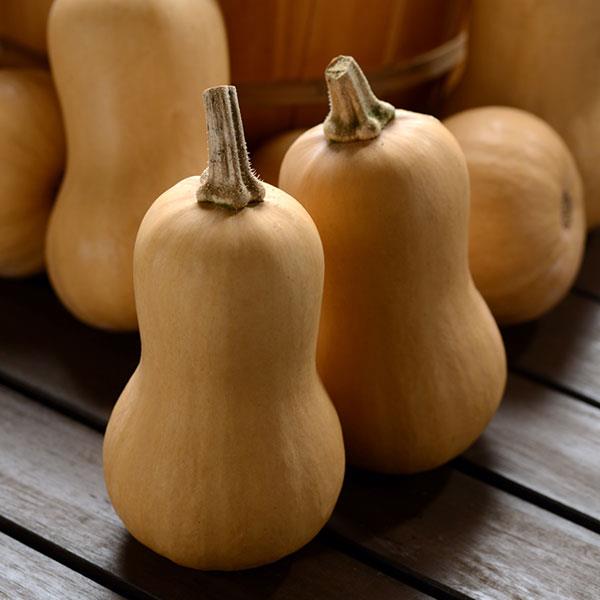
{"x":24,"y":23}
{"x":32,"y":157}
{"x":542,"y":56}
{"x":527,"y":225}
{"x":267,"y":157}
{"x":224,"y":450}
{"x":408,"y":349}
{"x":130,"y":75}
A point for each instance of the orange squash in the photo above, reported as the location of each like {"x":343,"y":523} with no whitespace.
{"x":129,"y":77}
{"x":32,"y":153}
{"x":542,"y":56}
{"x":527,"y":225}
{"x":408,"y":349}
{"x":224,"y":450}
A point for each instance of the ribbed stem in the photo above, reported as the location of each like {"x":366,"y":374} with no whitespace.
{"x":228,"y":180}
{"x":355,"y":113}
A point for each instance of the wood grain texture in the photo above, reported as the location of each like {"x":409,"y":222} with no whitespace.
{"x":469,"y":536}
{"x":562,"y":348}
{"x":281,"y":40}
{"x":444,"y":525}
{"x":544,"y":440}
{"x":589,"y":275}
{"x":45,"y":350}
{"x":51,"y":483}
{"x":28,"y":575}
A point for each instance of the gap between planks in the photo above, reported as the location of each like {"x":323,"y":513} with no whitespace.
{"x":462,"y":464}
{"x":417,"y":581}
{"x":403,"y":574}
{"x":406,"y":575}
{"x":71,"y":561}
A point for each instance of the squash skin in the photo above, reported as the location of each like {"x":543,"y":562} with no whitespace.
{"x":32,"y":153}
{"x":556,"y":77}
{"x":130,"y":77}
{"x":408,"y":350}
{"x":224,"y":450}
{"x":527,"y":225}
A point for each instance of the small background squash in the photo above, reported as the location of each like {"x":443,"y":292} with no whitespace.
{"x":32,"y":154}
{"x":542,"y":56}
{"x":527,"y":224}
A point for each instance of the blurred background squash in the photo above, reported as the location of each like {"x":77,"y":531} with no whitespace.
{"x":279,"y":50}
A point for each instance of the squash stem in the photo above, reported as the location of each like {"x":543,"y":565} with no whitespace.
{"x":228,"y":180}
{"x":355,"y":112}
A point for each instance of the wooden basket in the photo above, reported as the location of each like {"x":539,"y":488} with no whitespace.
{"x":279,"y":50}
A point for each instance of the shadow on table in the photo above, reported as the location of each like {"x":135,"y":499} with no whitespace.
{"x":422,"y":522}
{"x":45,"y":349}
{"x":559,"y":346}
{"x":313,"y":571}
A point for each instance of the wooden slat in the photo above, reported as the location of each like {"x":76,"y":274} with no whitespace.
{"x":563,"y":347}
{"x":28,"y":575}
{"x":532,"y":347}
{"x":51,"y":484}
{"x":589,"y":275}
{"x":47,"y":351}
{"x":513,"y":446}
{"x":470,"y":536}
{"x":444,"y":525}
{"x":544,"y":440}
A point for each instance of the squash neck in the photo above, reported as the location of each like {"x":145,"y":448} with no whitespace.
{"x":355,"y":114}
{"x":228,"y":180}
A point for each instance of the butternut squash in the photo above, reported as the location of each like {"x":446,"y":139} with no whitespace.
{"x":268,"y":156}
{"x":408,"y":349}
{"x":527,"y":225}
{"x":32,"y":157}
{"x":129,"y":74}
{"x":224,"y":450}
{"x":542,"y":56}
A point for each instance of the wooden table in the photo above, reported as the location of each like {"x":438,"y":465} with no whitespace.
{"x":518,"y":516}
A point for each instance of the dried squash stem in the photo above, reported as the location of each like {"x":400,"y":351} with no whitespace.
{"x":228,"y":181}
{"x":355,"y":112}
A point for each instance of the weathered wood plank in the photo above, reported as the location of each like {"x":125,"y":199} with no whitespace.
{"x":532,"y":347}
{"x":48,"y":352}
{"x":544,"y":440}
{"x":51,"y":483}
{"x":470,"y":536}
{"x":563,"y":347}
{"x":28,"y":575}
{"x":447,"y":526}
